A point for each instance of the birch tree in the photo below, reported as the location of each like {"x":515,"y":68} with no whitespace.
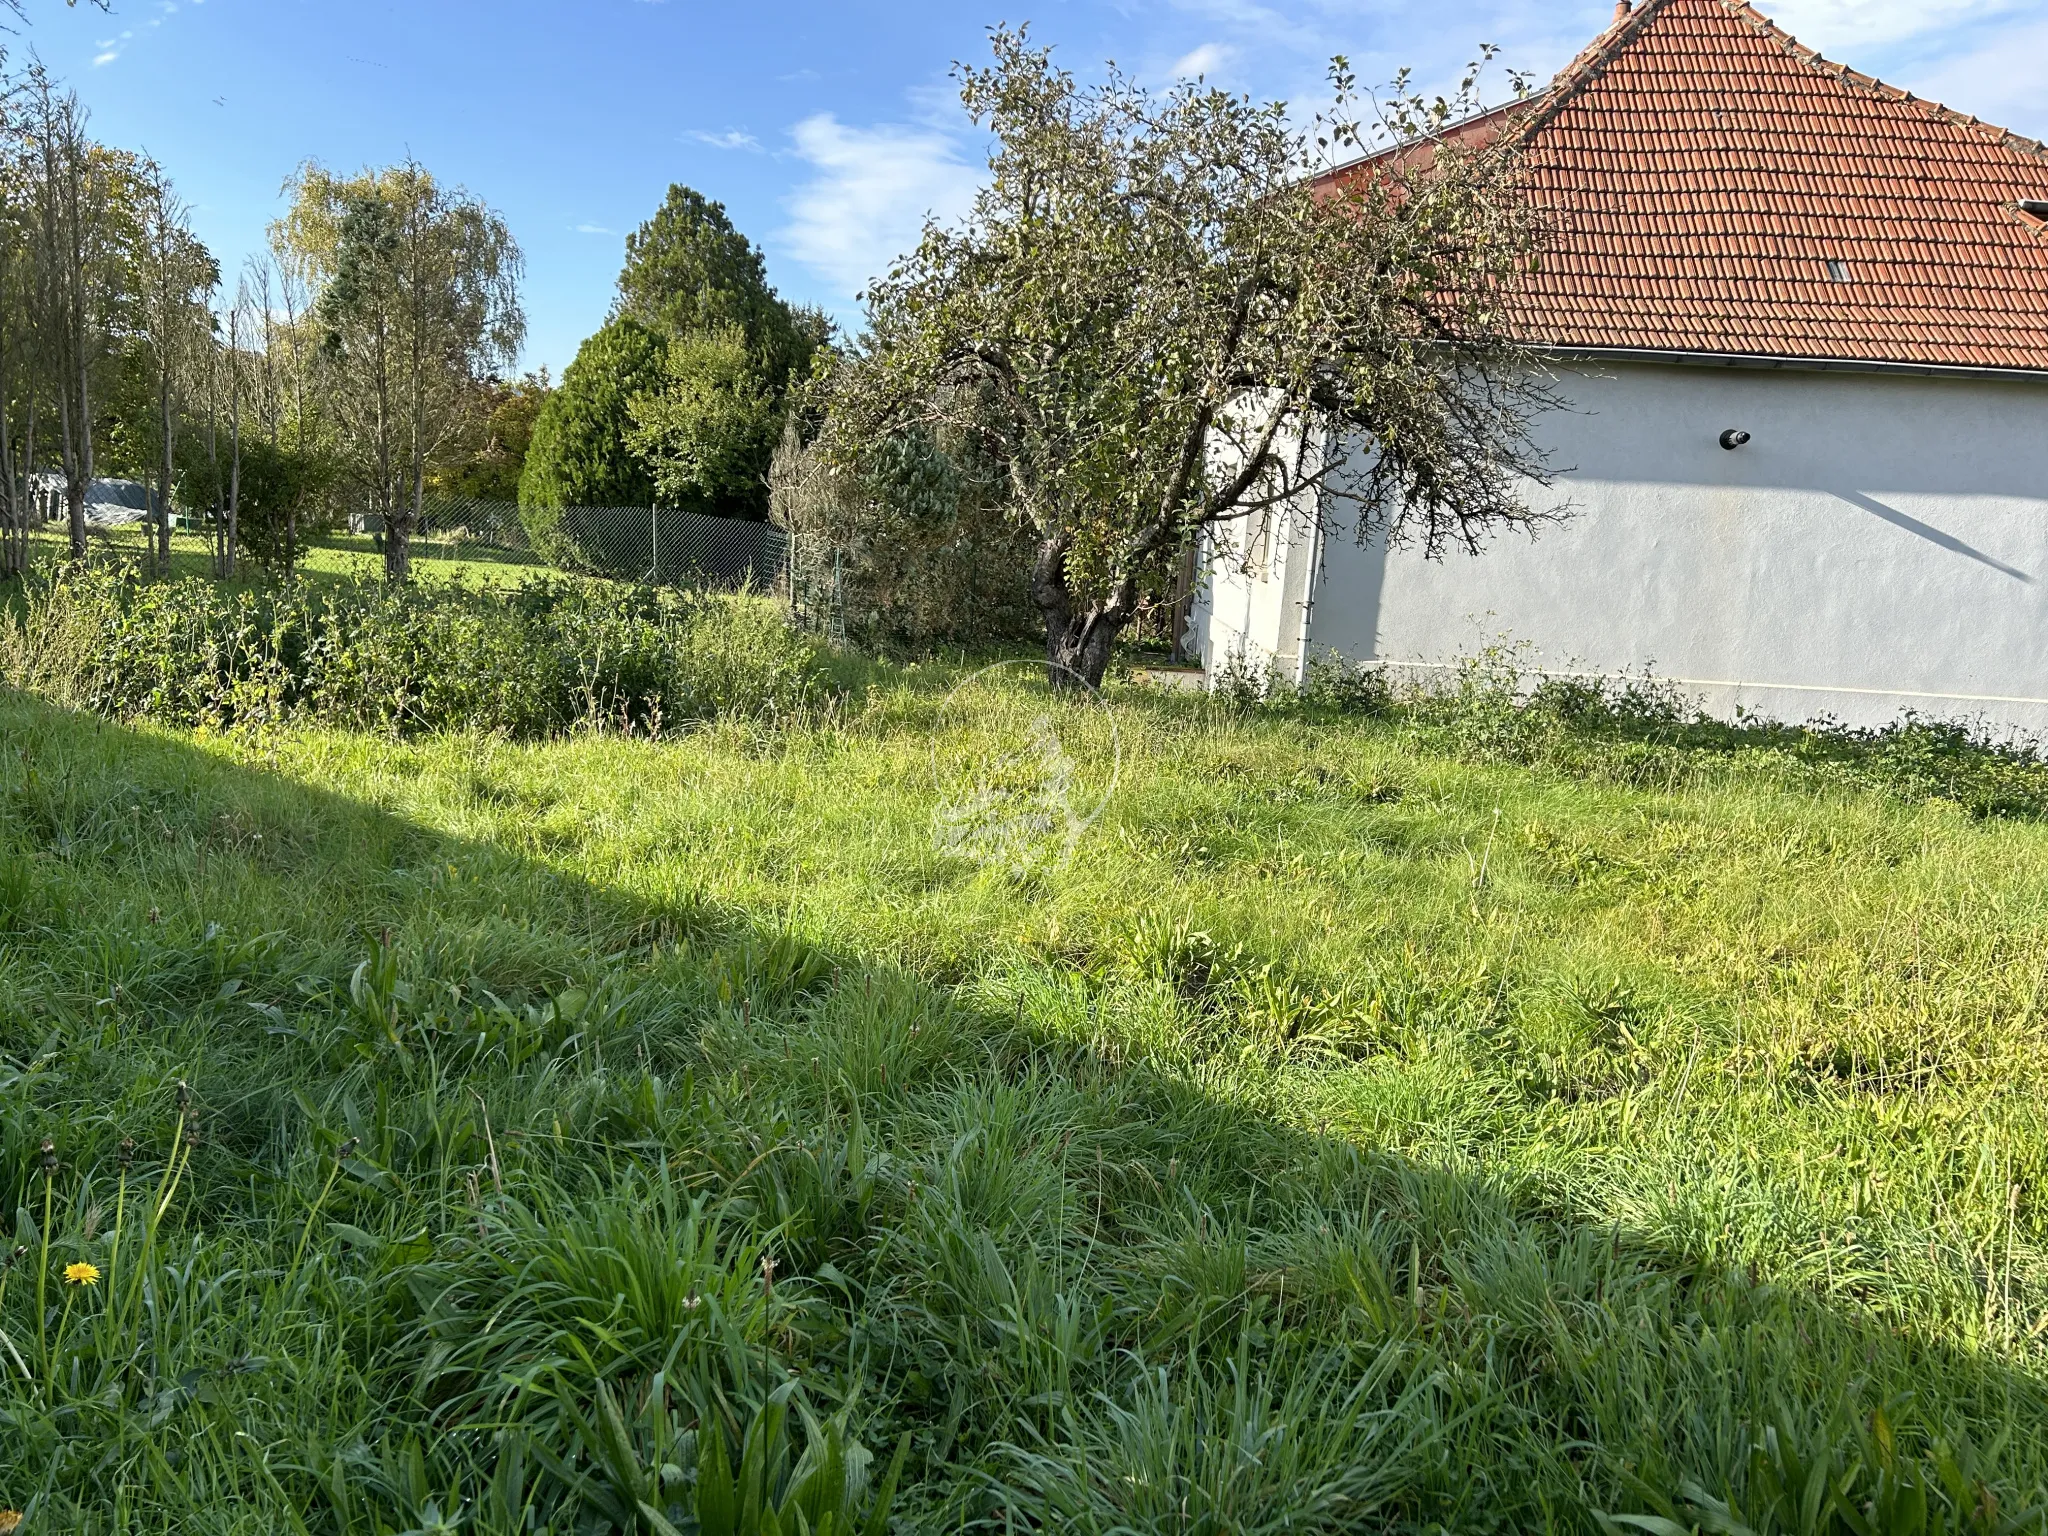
{"x":17,"y":295}
{"x":86,"y":254}
{"x":177,"y":272}
{"x":416,"y":294}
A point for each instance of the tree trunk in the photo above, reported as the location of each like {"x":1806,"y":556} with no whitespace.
{"x":1077,"y":647}
{"x":31,"y":499}
{"x":163,"y":517}
{"x":1079,"y":632}
{"x":85,"y":444}
{"x":74,"y":487}
{"x":397,"y":541}
{"x":14,"y":532}
{"x":213,"y":456}
{"x":234,"y":531}
{"x":235,"y":450}
{"x":398,"y":529}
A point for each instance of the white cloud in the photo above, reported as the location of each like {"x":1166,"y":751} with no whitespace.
{"x":1205,"y":60}
{"x":592,"y":229}
{"x":1984,"y":82}
{"x":732,"y":138}
{"x":1836,"y":26}
{"x":867,"y":202}
{"x":111,"y":48}
{"x":1296,"y":27}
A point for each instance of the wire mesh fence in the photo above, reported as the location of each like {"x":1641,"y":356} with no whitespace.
{"x":488,"y":541}
{"x":814,"y":577}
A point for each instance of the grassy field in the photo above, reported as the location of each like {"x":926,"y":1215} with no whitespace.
{"x":1364,"y":1131}
{"x":327,"y":556}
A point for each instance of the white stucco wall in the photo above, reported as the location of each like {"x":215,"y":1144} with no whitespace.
{"x":1879,"y":545}
{"x":1252,"y":607}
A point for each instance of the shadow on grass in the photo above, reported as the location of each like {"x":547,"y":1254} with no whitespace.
{"x":574,"y":1137}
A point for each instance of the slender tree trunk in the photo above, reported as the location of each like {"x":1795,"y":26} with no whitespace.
{"x":298,"y":383}
{"x":163,"y":517}
{"x":14,"y":532}
{"x":213,"y":461}
{"x":85,"y":446}
{"x":397,"y":533}
{"x":74,"y":483}
{"x":31,"y":507}
{"x":235,"y":444}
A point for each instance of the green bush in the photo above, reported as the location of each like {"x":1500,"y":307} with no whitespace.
{"x":919,"y":548}
{"x":578,"y":455}
{"x":550,"y":656}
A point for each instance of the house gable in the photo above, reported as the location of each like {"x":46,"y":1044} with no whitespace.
{"x":1715,"y":188}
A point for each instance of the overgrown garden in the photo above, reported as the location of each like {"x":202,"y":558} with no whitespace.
{"x":531,"y":1057}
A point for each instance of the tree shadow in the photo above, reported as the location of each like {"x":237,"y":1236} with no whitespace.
{"x":957,"y":1185}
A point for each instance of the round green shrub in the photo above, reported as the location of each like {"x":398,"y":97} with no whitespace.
{"x":579,"y":456}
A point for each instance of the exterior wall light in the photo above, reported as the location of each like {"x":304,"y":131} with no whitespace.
{"x":1734,"y":438}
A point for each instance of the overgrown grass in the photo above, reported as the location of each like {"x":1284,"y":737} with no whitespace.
{"x":1419,"y":1118}
{"x":543,"y":658}
{"x":1644,"y":732}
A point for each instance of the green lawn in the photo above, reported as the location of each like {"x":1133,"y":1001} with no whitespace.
{"x":1360,"y":1133}
{"x":326,"y":556}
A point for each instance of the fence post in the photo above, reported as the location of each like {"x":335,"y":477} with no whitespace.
{"x":838,"y":620}
{"x":654,"y":545}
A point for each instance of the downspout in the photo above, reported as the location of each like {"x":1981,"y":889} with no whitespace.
{"x":1244,"y":630}
{"x":1310,"y":585}
{"x":1313,"y":584}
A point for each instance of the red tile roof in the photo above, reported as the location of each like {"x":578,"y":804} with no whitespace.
{"x":1717,"y":188}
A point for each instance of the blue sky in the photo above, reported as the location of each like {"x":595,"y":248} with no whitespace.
{"x":827,"y":129}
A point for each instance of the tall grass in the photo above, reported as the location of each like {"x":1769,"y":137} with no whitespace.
{"x":543,"y":658}
{"x":1390,"y":1120}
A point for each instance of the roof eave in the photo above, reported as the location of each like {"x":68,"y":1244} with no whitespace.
{"x":1565,"y":352}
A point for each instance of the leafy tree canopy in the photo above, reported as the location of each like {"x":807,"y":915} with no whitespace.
{"x":1156,"y":312}
{"x":490,"y":457}
{"x":689,"y":271}
{"x":708,"y":433}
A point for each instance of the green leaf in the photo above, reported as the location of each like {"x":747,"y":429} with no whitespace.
{"x":717,"y":1500}
{"x":1656,"y":1525}
{"x":885,"y":1495}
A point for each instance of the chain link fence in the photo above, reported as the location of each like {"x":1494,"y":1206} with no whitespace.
{"x":486,"y":540}
{"x":815,"y":581}
{"x":661,"y":546}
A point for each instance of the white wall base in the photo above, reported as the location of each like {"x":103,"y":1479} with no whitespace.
{"x":1878,"y":547}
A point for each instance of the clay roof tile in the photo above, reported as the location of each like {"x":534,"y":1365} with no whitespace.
{"x":1700,"y":167}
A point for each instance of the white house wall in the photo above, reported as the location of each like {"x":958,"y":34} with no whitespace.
{"x":1879,"y":545}
{"x":1251,"y":612}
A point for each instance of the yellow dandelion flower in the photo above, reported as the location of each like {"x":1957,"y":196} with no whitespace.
{"x":10,"y":1521}
{"x":75,"y":1274}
